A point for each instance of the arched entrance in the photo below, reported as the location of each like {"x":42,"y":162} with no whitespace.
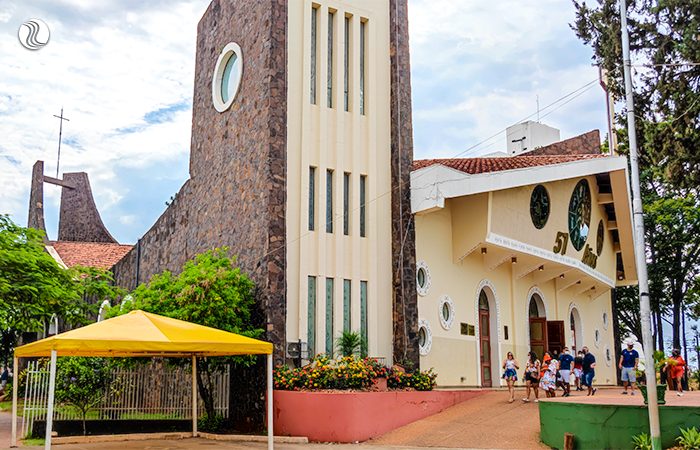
{"x":575,"y":335}
{"x":538,"y":325}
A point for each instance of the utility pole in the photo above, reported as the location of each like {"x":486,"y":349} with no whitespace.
{"x":60,"y":133}
{"x":640,"y":243}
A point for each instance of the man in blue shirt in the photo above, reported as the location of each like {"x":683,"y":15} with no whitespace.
{"x":628,"y":366}
{"x":588,"y":371}
{"x":565,"y":361}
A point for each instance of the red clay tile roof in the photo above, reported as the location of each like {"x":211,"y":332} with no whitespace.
{"x":90,"y":254}
{"x":484,"y":165}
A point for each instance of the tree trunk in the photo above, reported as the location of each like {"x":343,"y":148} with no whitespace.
{"x":676,"y":324}
{"x":205,"y":390}
{"x":660,"y":331}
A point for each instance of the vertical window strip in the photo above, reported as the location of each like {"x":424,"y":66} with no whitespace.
{"x":314,"y":30}
{"x":363,"y":313}
{"x":363,"y":207}
{"x":329,"y":201}
{"x":363,"y":30}
{"x":329,"y":316}
{"x":347,"y":305}
{"x":346,"y":65}
{"x":331,"y":24}
{"x":346,"y":203}
{"x":312,"y":198}
{"x":311,"y":317}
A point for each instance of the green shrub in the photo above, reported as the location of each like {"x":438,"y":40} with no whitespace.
{"x":349,"y":343}
{"x":211,"y":424}
{"x":689,"y":439}
{"x":420,"y":381}
{"x":642,"y":442}
{"x":349,"y":372}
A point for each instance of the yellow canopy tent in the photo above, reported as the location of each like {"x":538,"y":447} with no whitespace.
{"x":139,"y":333}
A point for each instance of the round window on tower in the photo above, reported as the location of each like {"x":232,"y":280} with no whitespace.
{"x":227,"y":77}
{"x":446,"y":312}
{"x":422,"y":278}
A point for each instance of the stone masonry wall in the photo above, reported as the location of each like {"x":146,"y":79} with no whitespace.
{"x":79,"y":219}
{"x":584,"y":144}
{"x":235,"y":196}
{"x":405,"y":301}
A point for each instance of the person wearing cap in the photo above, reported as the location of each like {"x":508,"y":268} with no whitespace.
{"x":629,"y":360}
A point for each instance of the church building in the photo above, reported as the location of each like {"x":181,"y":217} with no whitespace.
{"x":301,"y":163}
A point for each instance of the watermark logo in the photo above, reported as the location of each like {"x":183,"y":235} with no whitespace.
{"x":34,"y":34}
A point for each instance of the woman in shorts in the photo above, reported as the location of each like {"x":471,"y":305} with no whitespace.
{"x":510,"y":374}
{"x":532,"y":376}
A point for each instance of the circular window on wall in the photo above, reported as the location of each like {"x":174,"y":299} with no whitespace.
{"x":425,"y":337}
{"x":605,"y":321}
{"x":608,"y":356}
{"x":227,"y":77}
{"x":422,"y":278}
{"x":539,"y":206}
{"x":580,"y":214}
{"x":446,"y":312}
{"x":596,"y":336}
{"x":600,"y":238}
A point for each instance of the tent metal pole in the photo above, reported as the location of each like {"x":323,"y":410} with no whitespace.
{"x":194,"y":396}
{"x":49,"y":408}
{"x":270,"y":425}
{"x":15,"y":388}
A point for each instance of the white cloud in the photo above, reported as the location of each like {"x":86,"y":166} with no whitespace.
{"x":476,"y":68}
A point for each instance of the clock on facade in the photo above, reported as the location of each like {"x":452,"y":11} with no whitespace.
{"x":539,"y":206}
{"x":580,"y":214}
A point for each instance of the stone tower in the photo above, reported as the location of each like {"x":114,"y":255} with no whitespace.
{"x":300,"y":157}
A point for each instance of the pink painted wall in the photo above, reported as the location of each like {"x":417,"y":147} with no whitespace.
{"x":356,"y":416}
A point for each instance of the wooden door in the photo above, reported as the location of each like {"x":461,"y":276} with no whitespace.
{"x":538,"y":335}
{"x":485,"y":347}
{"x":555,"y":335}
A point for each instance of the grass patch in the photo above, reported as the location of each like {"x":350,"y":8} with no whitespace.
{"x":30,"y":442}
{"x":7,"y":406}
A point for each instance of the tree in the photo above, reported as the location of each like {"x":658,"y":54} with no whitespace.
{"x":209,"y":291}
{"x":665,"y":51}
{"x":33,"y":287}
{"x":82,"y":383}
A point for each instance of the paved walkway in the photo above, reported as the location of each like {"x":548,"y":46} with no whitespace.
{"x":487,"y":422}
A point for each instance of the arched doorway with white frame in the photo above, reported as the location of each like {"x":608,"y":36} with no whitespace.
{"x":575,"y":328}
{"x":537,"y":321}
{"x":487,"y":317}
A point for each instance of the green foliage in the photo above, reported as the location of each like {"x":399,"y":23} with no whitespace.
{"x":209,"y":291}
{"x":349,"y":372}
{"x":211,"y":424}
{"x":641,"y":442}
{"x":82,"y":382}
{"x":689,"y":439}
{"x":350,"y":343}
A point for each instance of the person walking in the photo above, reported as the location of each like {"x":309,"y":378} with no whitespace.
{"x":629,"y":360}
{"x":676,"y":367}
{"x":510,"y":374}
{"x":532,"y":376}
{"x":548,"y":381}
{"x":578,"y":369}
{"x":588,"y":371}
{"x":565,"y":361}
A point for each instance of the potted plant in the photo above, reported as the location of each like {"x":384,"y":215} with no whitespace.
{"x":660,"y":362}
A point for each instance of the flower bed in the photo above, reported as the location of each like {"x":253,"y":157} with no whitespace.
{"x":349,"y":372}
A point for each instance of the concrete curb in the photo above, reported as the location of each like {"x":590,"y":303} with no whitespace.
{"x":166,"y":436}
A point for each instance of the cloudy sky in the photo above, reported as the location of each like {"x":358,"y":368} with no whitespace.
{"x":123,"y":72}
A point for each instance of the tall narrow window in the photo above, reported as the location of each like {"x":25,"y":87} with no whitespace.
{"x":363,"y":312}
{"x":346,"y":66}
{"x":331,"y":17}
{"x":311,"y":317}
{"x":363,"y":207}
{"x":363,"y":31}
{"x":347,"y":304}
{"x":314,"y":30}
{"x":329,"y":316}
{"x":329,"y":201}
{"x":346,"y":203}
{"x":312,"y":198}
